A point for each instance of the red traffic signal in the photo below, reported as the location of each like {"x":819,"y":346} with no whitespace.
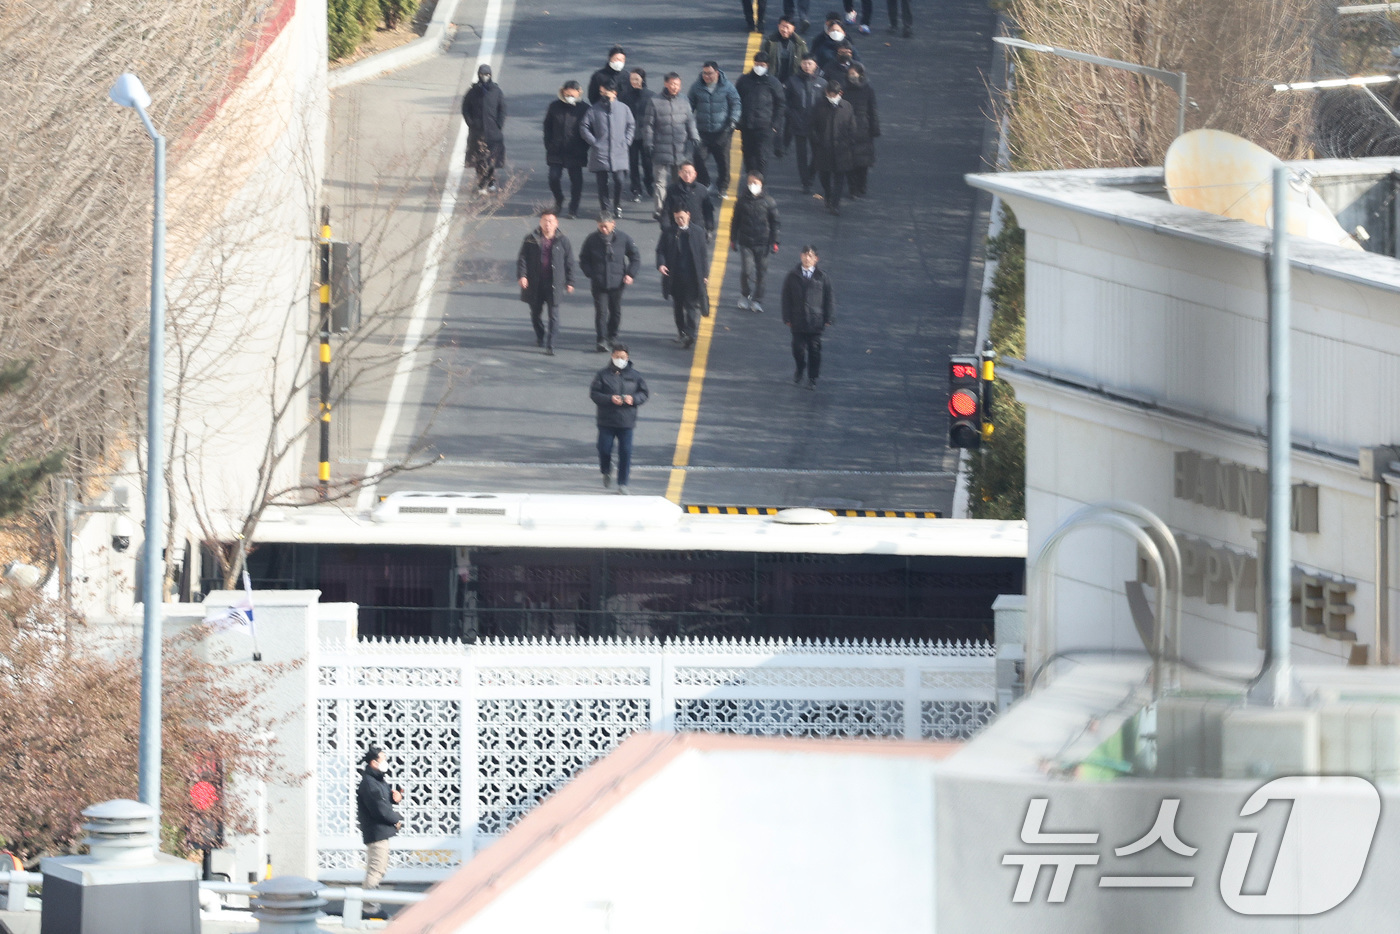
{"x":205,"y":830}
{"x":203,"y":795}
{"x":964,"y":402}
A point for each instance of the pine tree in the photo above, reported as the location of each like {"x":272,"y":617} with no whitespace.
{"x":20,"y":479}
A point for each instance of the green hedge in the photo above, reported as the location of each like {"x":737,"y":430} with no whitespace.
{"x":350,"y":22}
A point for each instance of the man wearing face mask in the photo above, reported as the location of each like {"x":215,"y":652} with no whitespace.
{"x":806,"y":91}
{"x":374,"y":806}
{"x":824,"y":45}
{"x":564,"y":148}
{"x":669,"y":134}
{"x":545,"y":269}
{"x":762,"y":101}
{"x":618,"y":390}
{"x":610,"y":72}
{"x":809,"y":308}
{"x":608,"y":128}
{"x":753,"y":232}
{"x":833,"y":145}
{"x":683,"y":261}
{"x":484,"y":110}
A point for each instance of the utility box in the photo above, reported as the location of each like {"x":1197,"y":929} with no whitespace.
{"x":124,"y":885}
{"x":345,"y":286}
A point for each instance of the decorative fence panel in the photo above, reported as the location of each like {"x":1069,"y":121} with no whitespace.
{"x":479,"y":734}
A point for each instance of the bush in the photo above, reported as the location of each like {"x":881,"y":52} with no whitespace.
{"x":348,"y":23}
{"x":395,"y":11}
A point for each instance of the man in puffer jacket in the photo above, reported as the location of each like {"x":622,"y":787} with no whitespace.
{"x":608,"y":128}
{"x":618,"y":390}
{"x":753,"y":232}
{"x":763,"y":101}
{"x":564,"y":149}
{"x":717,"y":113}
{"x":669,"y":134}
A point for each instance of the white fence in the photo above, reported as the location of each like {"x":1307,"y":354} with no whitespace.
{"x":479,"y":734}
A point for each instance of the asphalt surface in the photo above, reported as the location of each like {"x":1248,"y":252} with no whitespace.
{"x":503,"y":417}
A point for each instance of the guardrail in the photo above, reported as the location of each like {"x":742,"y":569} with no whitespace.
{"x":16,"y":885}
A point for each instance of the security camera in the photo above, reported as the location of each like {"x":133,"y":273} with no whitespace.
{"x":121,"y":534}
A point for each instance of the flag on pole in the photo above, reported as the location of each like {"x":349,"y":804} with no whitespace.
{"x":239,"y":617}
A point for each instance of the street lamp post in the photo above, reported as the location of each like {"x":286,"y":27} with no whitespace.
{"x":1176,"y":80}
{"x":128,"y":92}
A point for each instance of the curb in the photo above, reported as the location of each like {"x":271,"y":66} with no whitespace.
{"x":435,"y":40}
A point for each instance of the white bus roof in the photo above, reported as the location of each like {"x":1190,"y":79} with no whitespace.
{"x":650,"y":523}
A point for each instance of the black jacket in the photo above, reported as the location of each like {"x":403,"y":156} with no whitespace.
{"x":374,"y":805}
{"x":695,"y":198}
{"x":755,"y":220}
{"x":861,"y":97}
{"x":762,"y":101}
{"x":671,"y":253}
{"x":562,"y":143}
{"x":809,"y":305}
{"x":833,"y":137}
{"x":610,"y":382}
{"x":605,"y":260}
{"x":528,"y":266}
{"x":484,"y":109}
{"x":638,"y":100}
{"x":601,"y":77}
{"x":824,"y":50}
{"x":803,"y":95}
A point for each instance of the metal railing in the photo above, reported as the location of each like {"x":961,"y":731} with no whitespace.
{"x":353,"y":897}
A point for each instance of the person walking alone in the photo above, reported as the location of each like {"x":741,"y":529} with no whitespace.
{"x":682,"y":259}
{"x":638,"y":98}
{"x":717,"y":112}
{"x":806,"y":90}
{"x":608,"y":129}
{"x":833,"y":145}
{"x":564,"y":149}
{"x":762,"y":102}
{"x":809,"y":308}
{"x":379,"y":822}
{"x":618,"y":391}
{"x":484,"y":110}
{"x":669,"y":134}
{"x":753,"y":232}
{"x":545,"y":269}
{"x":610,"y":259}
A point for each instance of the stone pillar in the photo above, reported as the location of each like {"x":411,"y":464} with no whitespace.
{"x":124,"y":884}
{"x":1009,"y":612}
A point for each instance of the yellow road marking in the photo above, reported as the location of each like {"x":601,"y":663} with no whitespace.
{"x":690,"y":411}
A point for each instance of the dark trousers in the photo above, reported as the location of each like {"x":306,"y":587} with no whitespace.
{"x":556,"y":177}
{"x":805,"y":172}
{"x":802,"y":9}
{"x":757,"y":148}
{"x":623,"y":436}
{"x":717,"y":145}
{"x":860,"y":181}
{"x":807,"y":354}
{"x":687,"y":311}
{"x":753,"y":270}
{"x":542,"y":335}
{"x":639,"y":167}
{"x":865,"y":9}
{"x":833,"y":184}
{"x":749,"y":16}
{"x":607,"y":312}
{"x":610,"y":189}
{"x":895,"y":6}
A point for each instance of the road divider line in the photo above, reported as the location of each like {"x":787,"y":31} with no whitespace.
{"x":695,"y":385}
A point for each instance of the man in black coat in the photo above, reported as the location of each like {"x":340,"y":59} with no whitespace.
{"x":833,"y":140}
{"x":683,"y":261}
{"x":618,"y":390}
{"x":761,"y":123}
{"x":610,"y":259}
{"x":806,"y":90}
{"x":753,"y":233}
{"x":484,"y":109}
{"x":861,"y":96}
{"x":564,"y":149}
{"x":638,"y":97}
{"x":688,"y":193}
{"x":610,"y":72}
{"x":374,"y":801}
{"x":545,"y":268}
{"x":809,"y":308}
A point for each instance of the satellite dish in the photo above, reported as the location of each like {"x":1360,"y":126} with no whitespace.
{"x":1215,"y":171}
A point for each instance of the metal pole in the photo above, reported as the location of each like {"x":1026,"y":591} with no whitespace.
{"x":1181,"y":103}
{"x":153,"y":588}
{"x":323,"y":473}
{"x":1382,"y":573}
{"x":1278,"y":676}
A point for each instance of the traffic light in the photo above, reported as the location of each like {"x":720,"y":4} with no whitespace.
{"x":206,"y":827}
{"x":964,"y":402}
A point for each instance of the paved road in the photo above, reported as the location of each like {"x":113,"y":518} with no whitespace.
{"x":505,"y":417}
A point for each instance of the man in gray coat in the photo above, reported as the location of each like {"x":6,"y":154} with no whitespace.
{"x":670,"y":135}
{"x":608,"y":128}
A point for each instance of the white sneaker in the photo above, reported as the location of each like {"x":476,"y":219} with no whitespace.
{"x":744,"y":303}
{"x":756,"y":308}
